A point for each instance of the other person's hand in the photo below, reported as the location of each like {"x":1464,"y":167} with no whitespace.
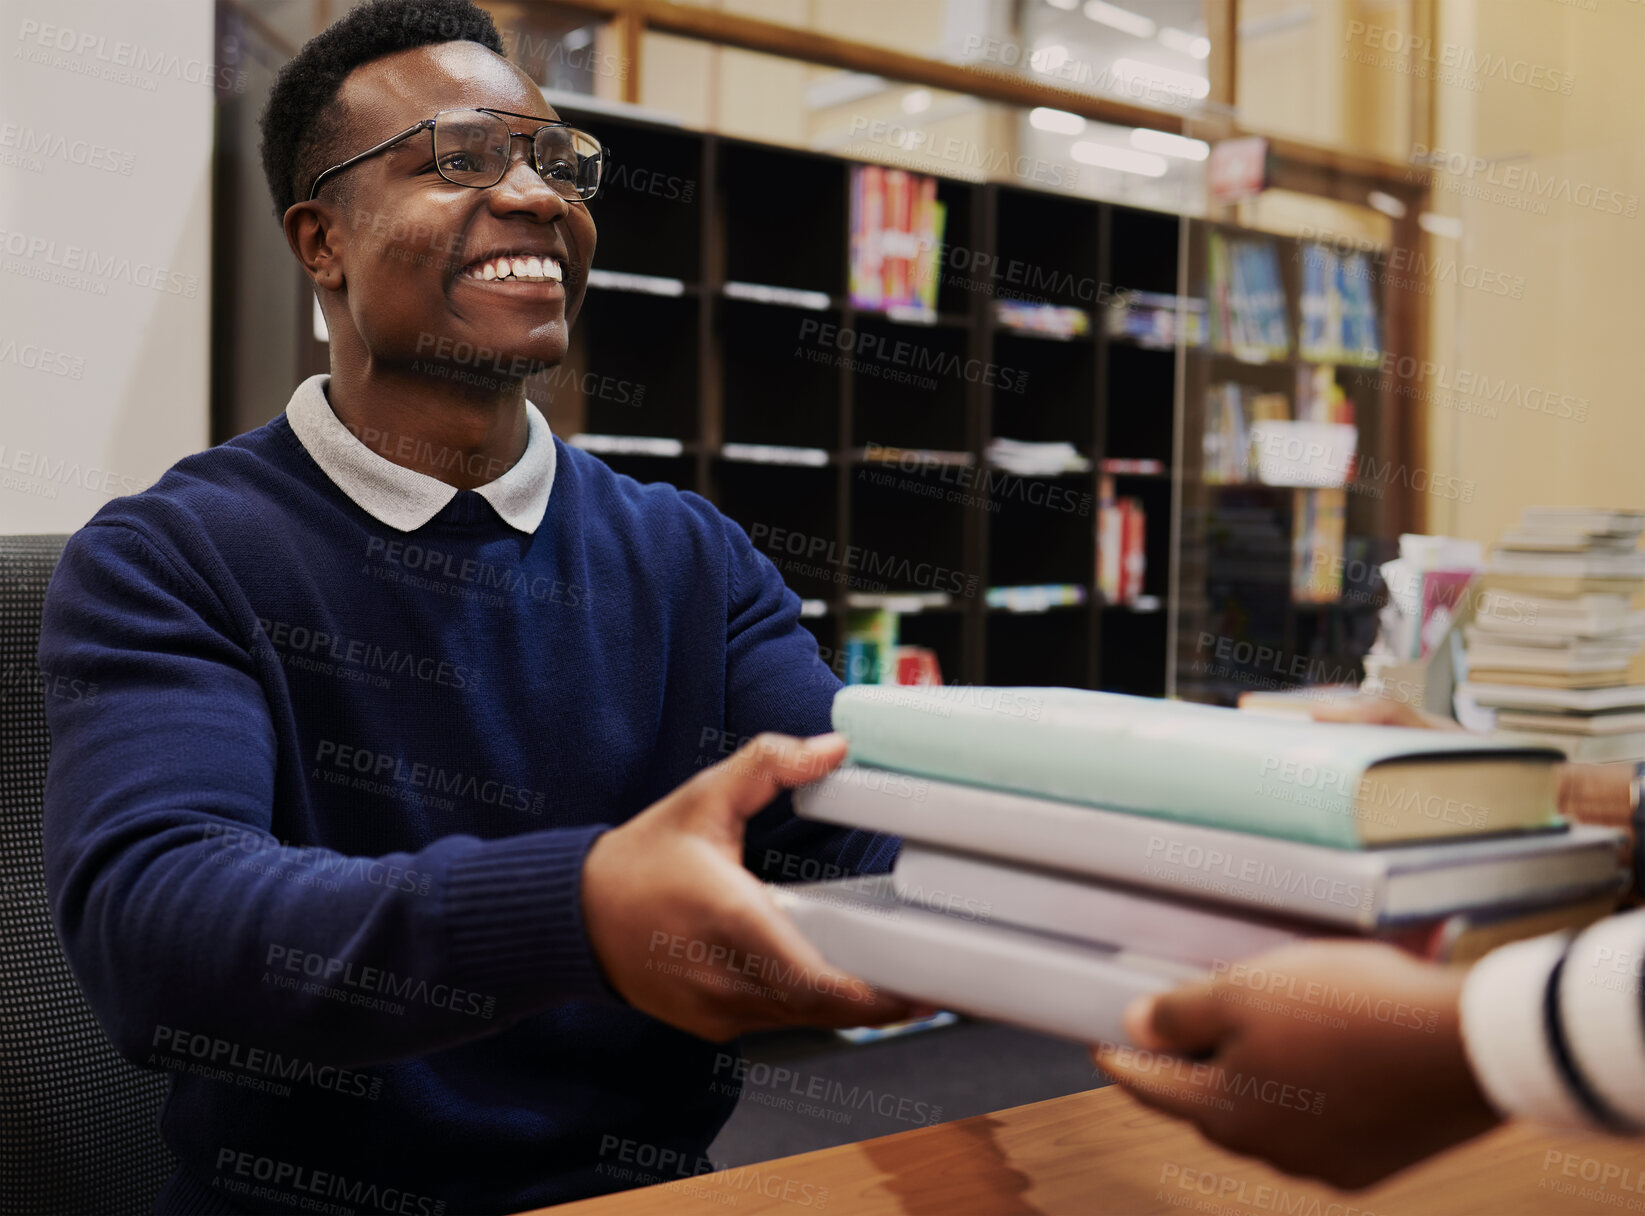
{"x":1379,"y":711}
{"x":1335,"y":1060}
{"x":685,"y":933}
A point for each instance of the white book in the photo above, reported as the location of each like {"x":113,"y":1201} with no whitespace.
{"x":1565,"y":542}
{"x":1630,"y":564}
{"x":1364,"y":889}
{"x":1624,"y":636}
{"x":1048,"y":901}
{"x":1571,"y":724}
{"x":1042,"y":983}
{"x":1569,"y":660}
{"x":1579,"y":700}
{"x":1583,"y":749}
{"x":1597,"y":521}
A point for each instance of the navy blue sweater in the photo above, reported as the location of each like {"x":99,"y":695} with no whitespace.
{"x":318,"y":806}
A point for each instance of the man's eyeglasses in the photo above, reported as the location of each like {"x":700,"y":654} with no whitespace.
{"x":476,"y":147}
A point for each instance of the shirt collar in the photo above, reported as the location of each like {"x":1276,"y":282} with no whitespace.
{"x":403,"y":498}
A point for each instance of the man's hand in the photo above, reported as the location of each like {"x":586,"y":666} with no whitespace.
{"x":1335,"y":1060}
{"x":686,"y":934}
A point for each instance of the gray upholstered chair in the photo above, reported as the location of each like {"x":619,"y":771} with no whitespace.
{"x":79,"y":1126}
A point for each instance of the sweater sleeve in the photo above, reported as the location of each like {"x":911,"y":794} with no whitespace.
{"x":1555,"y":1027}
{"x":178,"y":908}
{"x":776,"y":680}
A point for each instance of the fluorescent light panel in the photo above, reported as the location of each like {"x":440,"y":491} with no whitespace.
{"x":1126,"y":160}
{"x":1059,"y":122}
{"x":1122,"y":19}
{"x":1166,"y":144}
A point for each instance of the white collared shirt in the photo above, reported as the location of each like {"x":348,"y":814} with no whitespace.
{"x":403,"y":498}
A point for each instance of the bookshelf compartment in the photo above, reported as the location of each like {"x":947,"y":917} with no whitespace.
{"x":938,"y":631}
{"x":959,"y":278}
{"x":908,"y":384}
{"x":1141,"y":384}
{"x":1132,"y":650}
{"x":789,"y":515}
{"x":678,"y":471}
{"x":768,"y":239}
{"x":1143,"y":256}
{"x":781,"y":385}
{"x":1041,"y":530}
{"x":649,"y":208}
{"x":1059,"y":390}
{"x":1047,"y":249}
{"x":908,"y":531}
{"x":640,"y":353}
{"x":1047,"y":649}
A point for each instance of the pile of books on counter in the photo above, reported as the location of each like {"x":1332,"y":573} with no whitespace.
{"x":1555,"y":641}
{"x":1066,"y":851}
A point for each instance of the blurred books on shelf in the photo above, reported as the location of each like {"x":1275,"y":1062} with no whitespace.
{"x":1558,"y":619}
{"x":1122,"y":544}
{"x":873,"y":655}
{"x":1043,"y":320}
{"x":1152,"y":319}
{"x":1247,"y":306}
{"x":1339,"y":319}
{"x":1039,"y":597}
{"x":1319,"y":525}
{"x":896,"y":241}
{"x":1231,"y":411}
{"x":1035,"y":459}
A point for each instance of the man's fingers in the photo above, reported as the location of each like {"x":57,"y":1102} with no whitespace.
{"x":1167,"y":1083}
{"x":1187,"y":1021}
{"x":746,"y":781}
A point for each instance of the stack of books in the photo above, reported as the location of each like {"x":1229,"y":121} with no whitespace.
{"x":1338,"y":313}
{"x":896,"y":242}
{"x":1247,"y":306}
{"x":1557,"y":630}
{"x":1066,"y":851}
{"x":1122,"y":545}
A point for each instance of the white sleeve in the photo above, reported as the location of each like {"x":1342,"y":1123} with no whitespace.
{"x":1555,"y":1027}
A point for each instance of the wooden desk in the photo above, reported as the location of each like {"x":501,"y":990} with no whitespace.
{"x":1100,"y":1152}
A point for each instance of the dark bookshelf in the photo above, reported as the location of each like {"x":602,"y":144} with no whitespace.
{"x":751,"y":343}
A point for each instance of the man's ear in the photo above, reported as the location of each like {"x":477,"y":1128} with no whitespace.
{"x":314,"y":231}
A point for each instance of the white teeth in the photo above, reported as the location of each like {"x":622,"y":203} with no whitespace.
{"x":534,"y":267}
{"x":519,"y":267}
{"x":552,"y":269}
{"x":488,"y":271}
{"x":528,"y":269}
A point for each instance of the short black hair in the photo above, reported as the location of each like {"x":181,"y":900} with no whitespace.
{"x":303,"y":117}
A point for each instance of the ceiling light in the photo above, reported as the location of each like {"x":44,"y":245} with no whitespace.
{"x":1066,"y":6}
{"x":1126,"y":160}
{"x":1048,"y":58}
{"x":1185,"y":43}
{"x":1386,"y":203}
{"x":1122,"y":19}
{"x":1167,"y":144}
{"x":1061,"y":122}
{"x":1440,"y":225}
{"x":916,"y":101}
{"x":1167,"y":79}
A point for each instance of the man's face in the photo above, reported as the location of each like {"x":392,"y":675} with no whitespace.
{"x":407,"y":241}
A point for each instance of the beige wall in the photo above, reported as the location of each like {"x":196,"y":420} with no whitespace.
{"x":1579,"y":329}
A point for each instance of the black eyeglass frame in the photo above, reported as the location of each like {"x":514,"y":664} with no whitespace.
{"x":428,"y":125}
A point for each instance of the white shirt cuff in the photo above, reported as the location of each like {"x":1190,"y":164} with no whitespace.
{"x":1604,"y":1022}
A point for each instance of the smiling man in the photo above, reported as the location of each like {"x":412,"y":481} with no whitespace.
{"x":393,"y":832}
